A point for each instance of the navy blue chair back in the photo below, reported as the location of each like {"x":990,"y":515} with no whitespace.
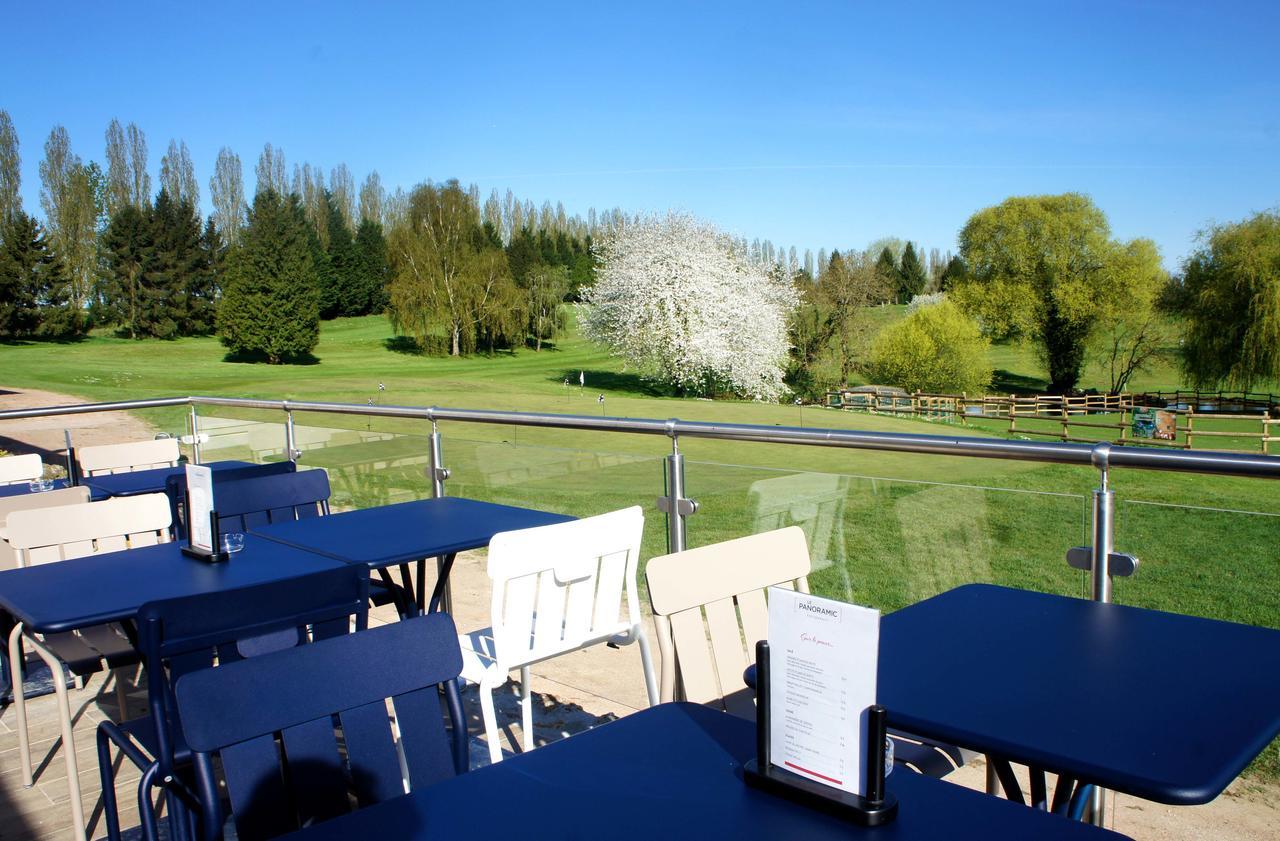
{"x":183,"y":635}
{"x":175,"y":487}
{"x":248,"y":503}
{"x":272,"y":721}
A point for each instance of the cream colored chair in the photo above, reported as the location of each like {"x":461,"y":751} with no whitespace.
{"x":16,"y":469}
{"x":707,"y":655}
{"x":24,"y":502}
{"x":49,"y":535}
{"x":556,"y":589}
{"x":726,"y":582}
{"x":126,"y":458}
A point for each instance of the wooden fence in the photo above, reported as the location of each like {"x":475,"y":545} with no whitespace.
{"x":1071,"y":416}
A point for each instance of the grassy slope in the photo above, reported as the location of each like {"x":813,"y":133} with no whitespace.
{"x":886,"y":529}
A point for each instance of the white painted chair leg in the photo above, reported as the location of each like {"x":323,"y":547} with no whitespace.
{"x":20,"y":703}
{"x":526,"y":708}
{"x":490,"y":723}
{"x":646,"y":665}
{"x":68,"y":738}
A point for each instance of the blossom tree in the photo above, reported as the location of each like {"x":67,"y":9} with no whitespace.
{"x":681,"y":301}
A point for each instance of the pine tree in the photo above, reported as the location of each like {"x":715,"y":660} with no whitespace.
{"x":372,"y":274}
{"x":887,"y":270}
{"x":270,"y":302}
{"x":27,"y":269}
{"x":344,"y":295}
{"x":911,"y":275}
{"x":126,"y":253}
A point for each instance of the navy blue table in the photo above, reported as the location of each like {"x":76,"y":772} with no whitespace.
{"x":395,"y":535}
{"x":79,"y":593}
{"x":674,"y":771}
{"x":1162,"y":706}
{"x":22,"y":488}
{"x":144,"y":481}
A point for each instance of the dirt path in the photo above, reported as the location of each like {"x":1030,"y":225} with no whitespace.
{"x":45,"y":435}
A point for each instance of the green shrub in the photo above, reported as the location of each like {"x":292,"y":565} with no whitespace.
{"x":935,"y":349}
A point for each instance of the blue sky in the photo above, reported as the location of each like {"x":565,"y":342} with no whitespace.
{"x":811,"y":124}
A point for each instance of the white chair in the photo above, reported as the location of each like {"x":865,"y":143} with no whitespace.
{"x":556,"y":589}
{"x":126,"y":458}
{"x":17,"y":469}
{"x":48,"y":535}
{"x":23,"y":502}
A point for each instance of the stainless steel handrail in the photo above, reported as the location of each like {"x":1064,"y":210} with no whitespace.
{"x":1101,"y":456}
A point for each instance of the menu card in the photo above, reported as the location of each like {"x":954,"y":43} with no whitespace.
{"x":822,"y":679}
{"x":199,"y":507}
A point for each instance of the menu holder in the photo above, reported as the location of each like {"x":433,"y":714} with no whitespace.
{"x":877,"y":808}
{"x":203,"y":542}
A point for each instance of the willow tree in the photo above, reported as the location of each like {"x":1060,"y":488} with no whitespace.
{"x":446,"y":278}
{"x":1046,"y":267}
{"x":1232,"y":295}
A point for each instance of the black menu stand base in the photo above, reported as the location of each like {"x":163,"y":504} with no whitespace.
{"x":879,"y":807}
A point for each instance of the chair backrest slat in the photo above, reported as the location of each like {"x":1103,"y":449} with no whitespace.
{"x":726,"y":582}
{"x":23,"y":468}
{"x":42,"y":535}
{"x":125,"y":458}
{"x":557,"y":587}
{"x":175,"y":487}
{"x":239,"y":710}
{"x":23,"y":502}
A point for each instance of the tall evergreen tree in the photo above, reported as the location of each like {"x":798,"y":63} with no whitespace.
{"x":269,"y":300}
{"x":887,"y":270}
{"x":372,"y":273}
{"x":344,"y":294}
{"x":177,"y":301}
{"x":911,"y":275}
{"x":126,"y":255}
{"x":28,"y":269}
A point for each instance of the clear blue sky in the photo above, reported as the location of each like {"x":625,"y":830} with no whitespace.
{"x":811,"y":124}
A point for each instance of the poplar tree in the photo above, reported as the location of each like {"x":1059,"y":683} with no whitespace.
{"x":226,"y":191}
{"x":269,"y":299}
{"x":178,"y":174}
{"x":372,"y":198}
{"x":10,"y":172}
{"x":269,"y":172}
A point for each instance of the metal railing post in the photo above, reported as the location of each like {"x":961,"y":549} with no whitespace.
{"x":290,"y":437}
{"x":437,"y":474}
{"x":195,"y":434}
{"x":674,"y":504}
{"x":1103,"y":533}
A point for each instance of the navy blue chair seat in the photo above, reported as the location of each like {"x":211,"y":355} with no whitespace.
{"x":185,"y":635}
{"x":272,"y":723}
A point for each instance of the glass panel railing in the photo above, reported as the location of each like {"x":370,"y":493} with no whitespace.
{"x":1215,"y":562}
{"x":888,"y":543}
{"x":563,"y":480}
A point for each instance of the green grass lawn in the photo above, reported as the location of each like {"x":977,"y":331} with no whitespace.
{"x":885,"y":529}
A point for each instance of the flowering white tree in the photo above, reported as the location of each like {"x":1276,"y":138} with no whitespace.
{"x":680,"y":300}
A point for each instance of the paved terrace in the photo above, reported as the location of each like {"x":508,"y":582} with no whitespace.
{"x":571,"y":694}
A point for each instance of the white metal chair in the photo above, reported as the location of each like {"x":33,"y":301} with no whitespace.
{"x":126,"y":458}
{"x":48,"y":535}
{"x":15,"y":469}
{"x":556,"y":589}
{"x":708,"y":657}
{"x":49,"y":499}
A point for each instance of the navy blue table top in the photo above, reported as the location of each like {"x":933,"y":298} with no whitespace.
{"x":674,"y":771}
{"x":407,"y":531}
{"x":1159,"y":705}
{"x":82,"y":592}
{"x":22,"y":488}
{"x":144,"y":481}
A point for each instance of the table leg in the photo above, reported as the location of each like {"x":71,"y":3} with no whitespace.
{"x":1062,"y":794}
{"x":1039,"y":790}
{"x":422,"y":584}
{"x":461,"y":741}
{"x":402,"y":609}
{"x":407,"y":580}
{"x":1008,"y":780}
{"x":440,"y":598}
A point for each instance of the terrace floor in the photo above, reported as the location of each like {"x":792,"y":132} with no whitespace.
{"x":572,"y":694}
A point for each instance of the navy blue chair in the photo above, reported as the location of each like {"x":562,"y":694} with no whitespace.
{"x":258,"y":501}
{"x":272,"y":723}
{"x":175,"y":487}
{"x":184,"y":635}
